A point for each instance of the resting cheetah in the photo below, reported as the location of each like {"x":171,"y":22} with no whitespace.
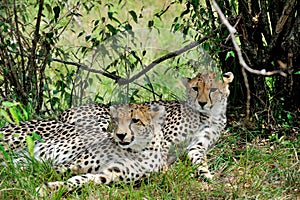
{"x":98,"y":157}
{"x":194,"y":124}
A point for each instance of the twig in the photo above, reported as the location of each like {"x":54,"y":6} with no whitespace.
{"x":264,"y":19}
{"x":236,"y":23}
{"x":248,"y":94}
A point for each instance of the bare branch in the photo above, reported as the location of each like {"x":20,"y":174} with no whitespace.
{"x":85,"y":67}
{"x":248,"y":94}
{"x":242,"y":62}
{"x":124,"y":81}
{"x":32,"y":58}
{"x":236,"y":23}
{"x":265,"y":21}
{"x":20,"y":44}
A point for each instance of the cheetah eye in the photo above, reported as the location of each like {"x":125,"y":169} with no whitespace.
{"x":195,"y":89}
{"x":213,"y":89}
{"x":135,"y":120}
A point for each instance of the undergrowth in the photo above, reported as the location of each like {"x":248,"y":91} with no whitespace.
{"x":245,"y":166}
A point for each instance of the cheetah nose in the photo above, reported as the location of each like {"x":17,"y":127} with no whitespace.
{"x":202,"y":104}
{"x":121,"y":136}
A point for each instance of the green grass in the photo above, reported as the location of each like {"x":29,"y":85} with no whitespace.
{"x":245,"y":167}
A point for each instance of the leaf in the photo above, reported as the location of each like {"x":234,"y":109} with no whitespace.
{"x":13,"y":46}
{"x":81,"y":33}
{"x":48,"y":7}
{"x":96,"y":22}
{"x":6,"y":116}
{"x":87,"y":37}
{"x":56,"y":11}
{"x":5,"y":154}
{"x":83,"y":49}
{"x":176,"y":27}
{"x":229,"y":54}
{"x":14,"y":114}
{"x":184,"y":13}
{"x":112,"y":29}
{"x":133,"y":15}
{"x":22,"y":115}
{"x":128,"y":27}
{"x":110,"y":15}
{"x":7,"y":104}
{"x":206,"y":46}
{"x":150,"y":23}
{"x":37,"y":137}
{"x":30,"y":145}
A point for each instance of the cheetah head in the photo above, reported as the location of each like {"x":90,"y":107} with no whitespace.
{"x":206,"y":89}
{"x":136,"y":125}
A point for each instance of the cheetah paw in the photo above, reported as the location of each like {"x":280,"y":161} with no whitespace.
{"x":165,"y":168}
{"x":204,"y":171}
{"x":43,"y":191}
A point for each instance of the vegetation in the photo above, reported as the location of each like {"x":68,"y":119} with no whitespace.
{"x":244,"y":168}
{"x":57,"y":54}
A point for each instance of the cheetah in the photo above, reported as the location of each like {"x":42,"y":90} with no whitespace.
{"x":132,"y":151}
{"x":193,"y":125}
{"x":90,"y":115}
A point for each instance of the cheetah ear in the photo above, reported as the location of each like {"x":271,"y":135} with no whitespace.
{"x":228,"y":77}
{"x":113,"y":110}
{"x":185,"y":81}
{"x":158,"y":113}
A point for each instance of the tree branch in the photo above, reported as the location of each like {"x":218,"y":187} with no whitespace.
{"x":124,"y":81}
{"x":286,"y":13}
{"x":32,"y":58}
{"x":288,"y":8}
{"x":20,"y":44}
{"x":85,"y":67}
{"x":242,"y":62}
{"x":265,"y":25}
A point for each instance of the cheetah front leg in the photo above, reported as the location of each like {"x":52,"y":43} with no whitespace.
{"x":76,"y":182}
{"x":109,"y":174}
{"x":197,"y":156}
{"x":198,"y":148}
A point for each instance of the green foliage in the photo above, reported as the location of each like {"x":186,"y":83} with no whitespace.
{"x":28,"y":39}
{"x":229,"y":54}
{"x":39,"y":69}
{"x":30,"y":141}
{"x":14,"y":112}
